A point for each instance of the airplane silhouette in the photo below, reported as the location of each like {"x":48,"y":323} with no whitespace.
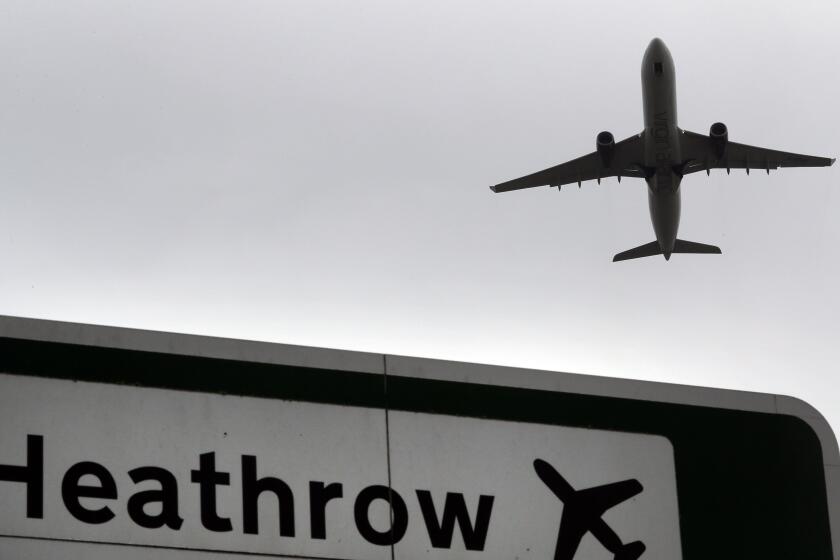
{"x":662,"y":154}
{"x":582,"y":511}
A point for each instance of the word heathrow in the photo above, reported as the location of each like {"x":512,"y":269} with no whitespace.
{"x":92,"y":503}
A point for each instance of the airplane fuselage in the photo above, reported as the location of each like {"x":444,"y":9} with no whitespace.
{"x":661,"y":141}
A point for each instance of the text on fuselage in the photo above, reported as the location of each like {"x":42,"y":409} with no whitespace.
{"x":661,"y":139}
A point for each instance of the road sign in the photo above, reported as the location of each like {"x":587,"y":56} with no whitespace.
{"x":137,"y":444}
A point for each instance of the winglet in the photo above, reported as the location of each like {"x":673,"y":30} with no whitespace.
{"x":493,"y":188}
{"x":832,"y":162}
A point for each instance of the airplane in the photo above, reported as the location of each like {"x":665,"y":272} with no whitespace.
{"x":662,"y":154}
{"x":582,"y":511}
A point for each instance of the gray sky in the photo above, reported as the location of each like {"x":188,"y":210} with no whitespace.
{"x":316,"y":173}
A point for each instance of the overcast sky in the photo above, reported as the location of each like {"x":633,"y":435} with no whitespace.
{"x":316,"y":173}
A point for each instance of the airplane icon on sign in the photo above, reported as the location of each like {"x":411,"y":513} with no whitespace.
{"x":582,"y":511}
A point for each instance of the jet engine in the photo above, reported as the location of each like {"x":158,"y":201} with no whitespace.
{"x":605,"y":143}
{"x":719,"y":136}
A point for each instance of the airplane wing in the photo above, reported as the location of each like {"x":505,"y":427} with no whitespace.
{"x":590,"y":505}
{"x":568,"y":539}
{"x":699,"y":153}
{"x":601,"y":498}
{"x":626,"y":161}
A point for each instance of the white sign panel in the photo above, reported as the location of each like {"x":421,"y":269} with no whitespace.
{"x":532,"y":472}
{"x":194,"y":474}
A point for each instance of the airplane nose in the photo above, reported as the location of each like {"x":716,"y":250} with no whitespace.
{"x":657,"y":52}
{"x":657,"y":46}
{"x":656,"y":42}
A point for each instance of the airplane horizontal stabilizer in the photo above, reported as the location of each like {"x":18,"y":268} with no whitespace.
{"x":630,"y":551}
{"x":681,"y":246}
{"x":646,"y":250}
{"x":652,"y":248}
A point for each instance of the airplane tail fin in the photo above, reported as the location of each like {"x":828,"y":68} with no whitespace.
{"x":630,"y":551}
{"x":653,"y":248}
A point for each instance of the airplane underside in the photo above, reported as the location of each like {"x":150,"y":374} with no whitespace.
{"x":662,"y":154}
